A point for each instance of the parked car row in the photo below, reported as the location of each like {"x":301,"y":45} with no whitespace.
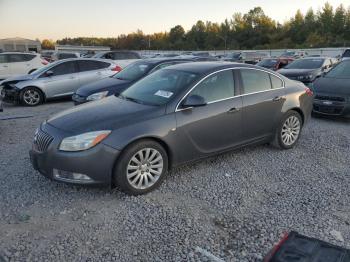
{"x":55,"y":80}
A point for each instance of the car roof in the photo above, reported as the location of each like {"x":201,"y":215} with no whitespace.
{"x":159,"y":60}
{"x":85,"y":59}
{"x":206,"y":67}
{"x":16,"y":53}
{"x":315,"y":58}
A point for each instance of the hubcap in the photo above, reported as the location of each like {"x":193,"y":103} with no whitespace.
{"x":31,"y":97}
{"x":290,"y":130}
{"x":144,"y":168}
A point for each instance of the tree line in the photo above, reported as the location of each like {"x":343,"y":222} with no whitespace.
{"x":328,"y":27}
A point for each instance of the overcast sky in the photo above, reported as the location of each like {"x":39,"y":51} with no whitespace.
{"x":56,"y":19}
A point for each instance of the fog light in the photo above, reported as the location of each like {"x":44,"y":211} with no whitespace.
{"x":65,"y":175}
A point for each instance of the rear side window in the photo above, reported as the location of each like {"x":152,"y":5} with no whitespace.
{"x":276,"y":82}
{"x":255,"y":81}
{"x":91,"y":65}
{"x":216,"y":87}
{"x":64,"y":68}
{"x":14,"y":58}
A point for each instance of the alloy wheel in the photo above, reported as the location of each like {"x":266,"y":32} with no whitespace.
{"x":290,"y":130}
{"x":31,"y":97}
{"x":145,"y":168}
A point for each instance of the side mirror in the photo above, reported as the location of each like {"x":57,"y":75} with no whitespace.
{"x":49,"y":73}
{"x":194,"y":101}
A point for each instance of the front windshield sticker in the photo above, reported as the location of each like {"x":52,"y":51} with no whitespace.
{"x":163,"y":93}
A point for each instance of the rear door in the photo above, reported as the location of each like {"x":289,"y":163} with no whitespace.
{"x":63,"y":82}
{"x":91,"y":71}
{"x":5,"y":66}
{"x":215,"y":126}
{"x":263,"y":99}
{"x":20,"y":63}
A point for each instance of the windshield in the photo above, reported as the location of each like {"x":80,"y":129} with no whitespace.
{"x":290,"y":53}
{"x":346,"y":53}
{"x":233,"y":55}
{"x":134,"y":71}
{"x":268,"y":63}
{"x":340,"y":71}
{"x":158,"y":88}
{"x":305,"y":64}
{"x":43,"y":69}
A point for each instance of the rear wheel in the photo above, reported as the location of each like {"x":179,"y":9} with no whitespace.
{"x":141,"y":167}
{"x":31,"y":96}
{"x":288,"y":131}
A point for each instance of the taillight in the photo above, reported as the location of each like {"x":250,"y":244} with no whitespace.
{"x":117,"y":68}
{"x":276,"y":247}
{"x":44,"y":62}
{"x":309,"y":92}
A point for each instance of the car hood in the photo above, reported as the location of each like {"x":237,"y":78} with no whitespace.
{"x":328,"y":85}
{"x":107,"y":84}
{"x":298,"y":72}
{"x":106,"y":114}
{"x":18,"y":78}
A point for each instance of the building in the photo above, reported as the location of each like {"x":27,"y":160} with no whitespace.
{"x":82,"y":49}
{"x":20,"y":45}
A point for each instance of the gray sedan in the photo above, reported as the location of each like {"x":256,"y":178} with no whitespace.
{"x":175,"y":115}
{"x":59,"y":79}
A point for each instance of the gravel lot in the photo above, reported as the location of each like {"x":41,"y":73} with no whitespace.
{"x":235,"y":206}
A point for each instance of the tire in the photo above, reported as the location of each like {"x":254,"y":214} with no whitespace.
{"x":132,"y":174}
{"x":31,"y":96}
{"x":288,"y":131}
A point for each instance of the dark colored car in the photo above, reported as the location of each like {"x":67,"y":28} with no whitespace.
{"x":122,"y":80}
{"x":178,"y":114}
{"x":332,"y":91}
{"x":307,"y":69}
{"x":275,"y":63}
{"x":295,"y":247}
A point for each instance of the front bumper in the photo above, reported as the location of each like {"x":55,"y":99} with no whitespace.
{"x":10,"y":95}
{"x":331,"y":108}
{"x":96,"y":163}
{"x":78,"y":99}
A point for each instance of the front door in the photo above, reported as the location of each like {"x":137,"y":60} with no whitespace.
{"x":215,"y":126}
{"x":64,"y":80}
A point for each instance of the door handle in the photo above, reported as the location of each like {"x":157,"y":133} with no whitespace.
{"x":277,"y":98}
{"x":5,"y":66}
{"x":233,"y":110}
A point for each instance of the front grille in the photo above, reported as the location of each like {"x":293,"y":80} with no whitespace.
{"x":331,"y":110}
{"x":330,"y":98}
{"x":42,"y":141}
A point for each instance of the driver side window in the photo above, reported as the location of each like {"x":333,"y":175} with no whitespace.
{"x":216,"y":87}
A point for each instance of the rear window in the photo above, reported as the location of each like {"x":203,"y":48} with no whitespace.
{"x":346,"y":53}
{"x":66,"y":55}
{"x":91,"y":65}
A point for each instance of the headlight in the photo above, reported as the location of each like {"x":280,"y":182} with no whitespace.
{"x":97,"y":96}
{"x":83,"y":141}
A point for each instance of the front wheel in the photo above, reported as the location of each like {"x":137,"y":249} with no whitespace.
{"x":141,"y":167}
{"x":31,"y":96}
{"x":288,"y":132}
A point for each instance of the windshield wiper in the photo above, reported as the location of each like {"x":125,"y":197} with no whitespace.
{"x":131,"y":99}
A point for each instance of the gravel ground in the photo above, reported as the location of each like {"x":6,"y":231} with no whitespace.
{"x":234,"y":206}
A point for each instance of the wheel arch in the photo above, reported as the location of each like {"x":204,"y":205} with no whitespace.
{"x":153,"y":138}
{"x":300,"y":112}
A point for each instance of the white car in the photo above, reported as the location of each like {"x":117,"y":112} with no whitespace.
{"x":13,"y":64}
{"x":121,"y":58}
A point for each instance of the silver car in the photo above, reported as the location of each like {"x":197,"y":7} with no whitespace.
{"x":59,"y":79}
